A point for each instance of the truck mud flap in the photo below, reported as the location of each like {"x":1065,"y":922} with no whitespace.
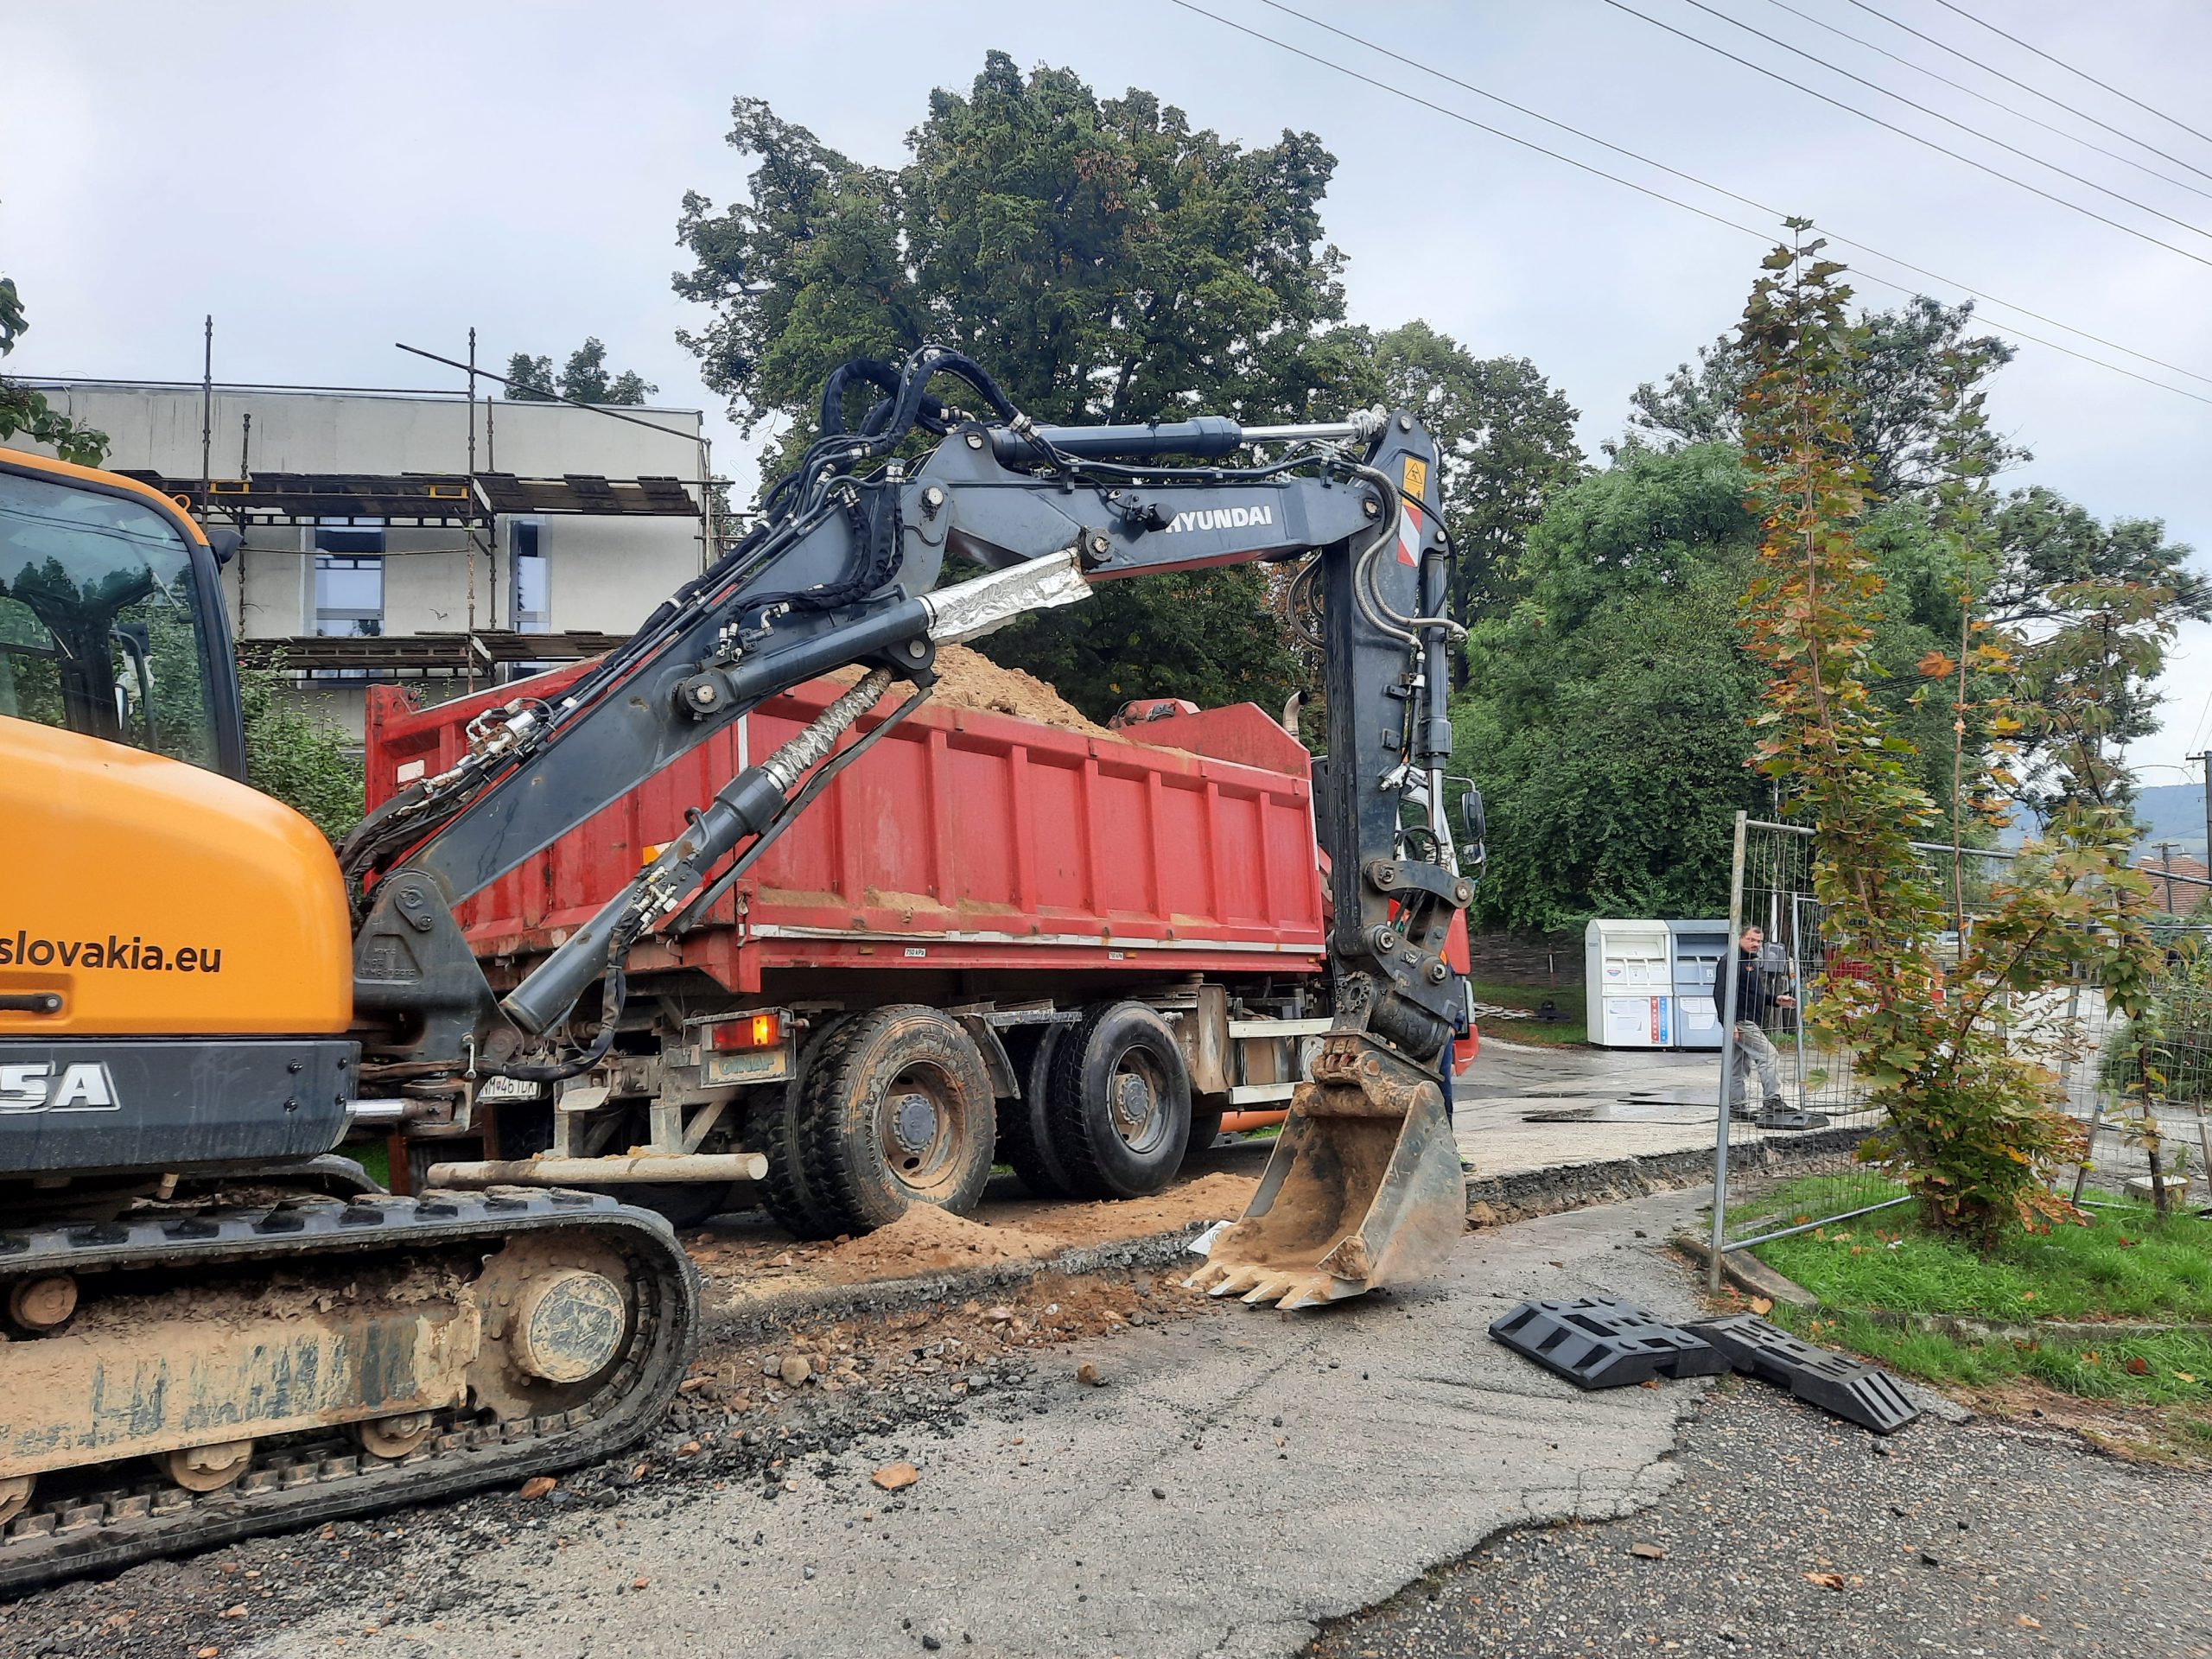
{"x":1850,"y":1389}
{"x":1598,"y":1342}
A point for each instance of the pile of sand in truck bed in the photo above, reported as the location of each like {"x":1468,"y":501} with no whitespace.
{"x":967,"y":679}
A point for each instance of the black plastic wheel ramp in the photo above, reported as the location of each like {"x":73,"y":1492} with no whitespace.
{"x":1598,"y":1342}
{"x":1851,"y":1388}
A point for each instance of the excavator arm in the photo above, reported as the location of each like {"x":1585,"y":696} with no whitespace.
{"x":848,"y":565}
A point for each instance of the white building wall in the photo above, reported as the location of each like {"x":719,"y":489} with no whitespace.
{"x":605,"y":575}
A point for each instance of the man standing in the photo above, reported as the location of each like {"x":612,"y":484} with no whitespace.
{"x":1754,"y":1003}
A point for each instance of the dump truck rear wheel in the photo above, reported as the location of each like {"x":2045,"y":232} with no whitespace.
{"x":773,"y":1132}
{"x":897,"y":1110}
{"x":1120,"y":1102}
{"x":1026,"y":1126}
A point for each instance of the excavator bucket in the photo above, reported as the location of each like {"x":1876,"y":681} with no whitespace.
{"x":1365,"y":1187}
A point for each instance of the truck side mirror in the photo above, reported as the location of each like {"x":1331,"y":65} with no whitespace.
{"x":1470,"y":816}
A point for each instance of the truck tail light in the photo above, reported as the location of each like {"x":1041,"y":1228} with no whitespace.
{"x":748,"y":1031}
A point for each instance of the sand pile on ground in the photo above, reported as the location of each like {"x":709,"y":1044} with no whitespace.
{"x":967,"y":679}
{"x":1219,"y":1196}
{"x":929,"y":1240}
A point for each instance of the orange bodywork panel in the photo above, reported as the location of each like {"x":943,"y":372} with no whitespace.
{"x":158,"y":898}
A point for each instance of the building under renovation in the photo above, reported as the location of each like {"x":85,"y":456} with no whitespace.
{"x":412,"y":536}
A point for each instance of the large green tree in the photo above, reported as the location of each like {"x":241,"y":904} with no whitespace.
{"x":583,"y":378}
{"x":1506,"y":445}
{"x":1606,"y":714}
{"x":1895,"y":389}
{"x":1105,"y":259}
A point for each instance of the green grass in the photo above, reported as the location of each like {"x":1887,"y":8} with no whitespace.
{"x":2127,"y":1265}
{"x":1566,"y":1031}
{"x":2176,"y":1367}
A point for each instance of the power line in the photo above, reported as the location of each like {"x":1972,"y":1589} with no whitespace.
{"x":2055,"y":103}
{"x":1995,"y":104}
{"x":1903,"y":133}
{"x":1661,"y":196}
{"x":1721,"y":190}
{"x":1936,"y":114}
{"x":2072,"y":69}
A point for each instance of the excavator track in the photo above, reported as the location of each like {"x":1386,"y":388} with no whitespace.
{"x":373,"y":1365}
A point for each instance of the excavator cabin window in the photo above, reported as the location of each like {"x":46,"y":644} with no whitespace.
{"x":101,"y":619}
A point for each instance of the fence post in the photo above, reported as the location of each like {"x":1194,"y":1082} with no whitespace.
{"x":1727,"y":1057}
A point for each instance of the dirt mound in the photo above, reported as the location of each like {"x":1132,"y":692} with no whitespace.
{"x":1219,"y":1196}
{"x":971,"y":680}
{"x":929,"y":1240}
{"x":967,"y":679}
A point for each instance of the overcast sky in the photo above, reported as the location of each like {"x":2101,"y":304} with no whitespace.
{"x":329,"y":180}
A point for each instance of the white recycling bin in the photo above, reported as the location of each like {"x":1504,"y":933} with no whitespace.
{"x":1629,"y":982}
{"x":1694,"y":948}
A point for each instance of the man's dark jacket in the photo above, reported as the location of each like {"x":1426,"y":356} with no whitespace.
{"x":1754,"y":989}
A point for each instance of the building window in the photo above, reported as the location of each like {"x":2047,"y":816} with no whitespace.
{"x":533,"y":601}
{"x":349,"y":579}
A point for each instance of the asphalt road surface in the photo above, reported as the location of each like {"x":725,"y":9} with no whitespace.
{"x":1238,"y":1479}
{"x":1788,"y":1534}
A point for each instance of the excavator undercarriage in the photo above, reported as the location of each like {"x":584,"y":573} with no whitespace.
{"x":182,"y":1376}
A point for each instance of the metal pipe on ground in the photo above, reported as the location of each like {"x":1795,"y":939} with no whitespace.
{"x":602,"y":1171}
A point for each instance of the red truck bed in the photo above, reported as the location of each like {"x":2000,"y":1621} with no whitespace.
{"x":965,"y":840}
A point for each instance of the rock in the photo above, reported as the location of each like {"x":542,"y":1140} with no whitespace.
{"x":794,"y":1370}
{"x":806,"y":1572}
{"x":896,"y":1476}
{"x":1087,"y":1374}
{"x":1159,"y":1491}
{"x":931,"y":1643}
{"x":538,"y":1485}
{"x":1930,"y":1558}
{"x":771,"y":1365}
{"x":1481,"y":1215}
{"x":1647,"y":1552}
{"x":999,"y":1314}
{"x":639,"y":1582}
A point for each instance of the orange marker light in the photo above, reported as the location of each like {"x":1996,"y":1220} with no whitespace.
{"x":755,"y":1031}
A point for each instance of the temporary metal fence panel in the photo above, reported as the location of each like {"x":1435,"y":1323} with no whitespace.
{"x":1771,"y":1048}
{"x":2104,"y":1072}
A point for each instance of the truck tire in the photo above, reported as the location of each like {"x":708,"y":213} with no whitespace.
{"x":1205,"y":1129}
{"x":773,"y":1132}
{"x":1025,"y":1125}
{"x":1120,"y":1102}
{"x":896,"y":1109}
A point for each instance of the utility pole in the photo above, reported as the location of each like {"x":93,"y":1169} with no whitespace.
{"x":2203,"y":759}
{"x":2166,"y":862}
{"x":207,"y":418}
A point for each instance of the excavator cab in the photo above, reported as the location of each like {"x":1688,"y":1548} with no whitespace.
{"x":112,"y":620}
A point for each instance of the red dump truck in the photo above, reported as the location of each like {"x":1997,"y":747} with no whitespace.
{"x":1078,"y":953}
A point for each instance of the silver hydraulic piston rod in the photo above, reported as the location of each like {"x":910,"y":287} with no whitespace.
{"x":743,"y":807}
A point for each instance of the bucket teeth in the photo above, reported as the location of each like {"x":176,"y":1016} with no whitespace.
{"x":1362,"y":1189}
{"x":1256,"y":1285}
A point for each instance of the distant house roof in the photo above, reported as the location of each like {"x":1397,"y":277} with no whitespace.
{"x":2179,"y":884}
